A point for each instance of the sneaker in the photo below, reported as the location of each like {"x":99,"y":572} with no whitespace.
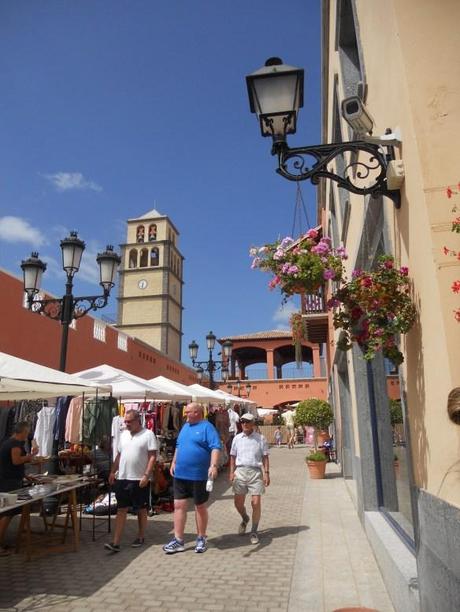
{"x":201,"y":545}
{"x":138,"y":542}
{"x":254,"y":538}
{"x":112,"y":547}
{"x":243,"y":525}
{"x":174,"y":546}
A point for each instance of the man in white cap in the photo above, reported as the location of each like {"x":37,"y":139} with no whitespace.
{"x":249,"y":473}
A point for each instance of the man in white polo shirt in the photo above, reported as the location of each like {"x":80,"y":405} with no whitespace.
{"x":249,"y":473}
{"x":134,"y":462}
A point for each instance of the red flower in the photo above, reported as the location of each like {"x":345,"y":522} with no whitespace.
{"x":456,"y":286}
{"x":449,"y":192}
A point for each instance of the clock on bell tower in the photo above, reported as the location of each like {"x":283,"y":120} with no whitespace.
{"x":150,"y":295}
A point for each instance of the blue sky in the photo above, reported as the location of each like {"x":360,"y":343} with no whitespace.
{"x":110,"y":108}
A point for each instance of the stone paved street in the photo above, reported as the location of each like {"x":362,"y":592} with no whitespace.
{"x":313,"y":556}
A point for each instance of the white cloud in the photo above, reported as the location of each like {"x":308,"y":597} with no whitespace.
{"x":67,"y":181}
{"x":282,"y":315}
{"x":15,"y":229}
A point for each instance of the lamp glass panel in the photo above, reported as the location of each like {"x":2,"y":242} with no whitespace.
{"x":71,"y":257}
{"x":32,"y":278}
{"x":276,"y":94}
{"x":210,"y":341}
{"x":107,"y":268}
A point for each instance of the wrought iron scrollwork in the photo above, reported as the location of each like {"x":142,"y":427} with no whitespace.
{"x":53,"y":308}
{"x":364,"y":174}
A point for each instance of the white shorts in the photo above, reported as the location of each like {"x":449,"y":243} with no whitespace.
{"x":248,"y":480}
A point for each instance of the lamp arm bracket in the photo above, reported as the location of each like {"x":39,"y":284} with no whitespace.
{"x":53,"y":307}
{"x":82,"y":305}
{"x":364,"y":174}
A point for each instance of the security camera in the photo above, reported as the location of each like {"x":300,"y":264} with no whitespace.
{"x":356,"y":115}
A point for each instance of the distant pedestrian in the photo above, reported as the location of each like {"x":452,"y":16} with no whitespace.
{"x":195,"y":460}
{"x":134,"y":463}
{"x":249,"y":473}
{"x":278,"y":436}
{"x":288,"y":418}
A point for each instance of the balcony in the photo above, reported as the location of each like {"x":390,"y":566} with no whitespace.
{"x":315,"y":316}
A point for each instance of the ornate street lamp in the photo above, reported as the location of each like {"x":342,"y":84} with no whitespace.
{"x":276,"y":95}
{"x":69,"y":307}
{"x":238,"y":384}
{"x":210,"y":366}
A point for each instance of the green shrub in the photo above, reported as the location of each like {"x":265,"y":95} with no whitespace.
{"x":316,"y":456}
{"x":315,"y":413}
{"x":396,"y":415}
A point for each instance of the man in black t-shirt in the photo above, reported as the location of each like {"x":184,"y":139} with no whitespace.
{"x":13,"y":458}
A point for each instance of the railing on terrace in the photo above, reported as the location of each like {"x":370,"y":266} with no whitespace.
{"x":313,"y":303}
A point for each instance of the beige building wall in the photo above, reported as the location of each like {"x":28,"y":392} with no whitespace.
{"x":411,"y":53}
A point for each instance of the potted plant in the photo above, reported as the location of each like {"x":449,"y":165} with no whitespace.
{"x":316,"y":462}
{"x":299,"y":266}
{"x":315,"y":413}
{"x":373,"y":308}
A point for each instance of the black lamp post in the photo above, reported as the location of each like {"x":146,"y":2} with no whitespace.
{"x":69,"y":307}
{"x":211,"y":365}
{"x":276,"y":95}
{"x":247,"y":386}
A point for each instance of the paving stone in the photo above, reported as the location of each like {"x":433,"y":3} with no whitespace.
{"x":298,"y":524}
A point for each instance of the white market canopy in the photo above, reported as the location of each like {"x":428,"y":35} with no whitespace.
{"x":201,"y":393}
{"x":21,"y":380}
{"x":178,"y":391}
{"x":124,"y":385}
{"x":234,"y":399}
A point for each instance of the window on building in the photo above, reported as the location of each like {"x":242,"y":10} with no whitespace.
{"x":144,"y":258}
{"x":122,"y":342}
{"x":154,"y":257}
{"x":99,"y":330}
{"x":132,"y":261}
{"x":152,"y":232}
{"x":140,"y":233}
{"x":348,"y":47}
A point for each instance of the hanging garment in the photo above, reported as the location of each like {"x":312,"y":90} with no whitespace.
{"x":62,"y":407}
{"x":43,"y":434}
{"x":97,"y":420}
{"x":4,"y":417}
{"x":73,"y":422}
{"x":118,"y":427}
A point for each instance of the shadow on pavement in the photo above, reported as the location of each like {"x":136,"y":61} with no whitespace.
{"x":266,"y":536}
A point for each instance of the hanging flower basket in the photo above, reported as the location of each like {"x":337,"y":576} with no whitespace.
{"x":373,"y":308}
{"x":300,"y":266}
{"x":299,"y":333}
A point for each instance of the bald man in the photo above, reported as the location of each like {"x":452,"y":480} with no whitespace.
{"x":195,"y":460}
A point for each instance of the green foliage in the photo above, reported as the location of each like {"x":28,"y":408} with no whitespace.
{"x":396,"y":415}
{"x":316,"y":456}
{"x":374,"y":307}
{"x":315,"y":413}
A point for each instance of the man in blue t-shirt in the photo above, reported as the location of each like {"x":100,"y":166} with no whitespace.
{"x":195,"y":460}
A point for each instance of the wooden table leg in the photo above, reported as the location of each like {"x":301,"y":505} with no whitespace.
{"x":24,"y":529}
{"x":74,"y":517}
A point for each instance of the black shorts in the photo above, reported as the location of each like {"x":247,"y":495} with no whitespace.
{"x":183,"y":489}
{"x":130,"y":494}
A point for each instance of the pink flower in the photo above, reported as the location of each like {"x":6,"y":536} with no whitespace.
{"x":456,"y":286}
{"x":366,"y":281}
{"x":293,"y":270}
{"x":312,"y":233}
{"x":388,"y":264}
{"x":328,"y":274}
{"x":255,"y":263}
{"x":404,"y":271}
{"x":449,"y":192}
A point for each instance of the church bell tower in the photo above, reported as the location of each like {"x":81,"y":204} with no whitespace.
{"x":150,"y":288}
